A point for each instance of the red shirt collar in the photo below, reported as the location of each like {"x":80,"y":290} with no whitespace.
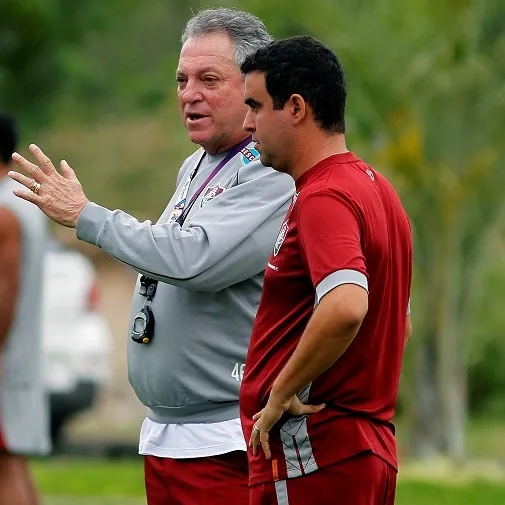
{"x":334,"y":159}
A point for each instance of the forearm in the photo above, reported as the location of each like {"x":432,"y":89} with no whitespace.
{"x":327,"y":336}
{"x":210,"y":253}
{"x":161,"y":251}
{"x":10,"y":257}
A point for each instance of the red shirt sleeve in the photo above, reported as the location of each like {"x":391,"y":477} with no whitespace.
{"x":330,"y":234}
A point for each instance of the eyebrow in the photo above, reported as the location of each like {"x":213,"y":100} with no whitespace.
{"x":201,"y":71}
{"x":252,"y":102}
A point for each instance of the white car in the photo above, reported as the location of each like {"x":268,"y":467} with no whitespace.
{"x":76,"y":338}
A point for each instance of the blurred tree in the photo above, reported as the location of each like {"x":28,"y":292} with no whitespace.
{"x":429,"y":96}
{"x":28,"y":65}
{"x":33,"y":35}
{"x":426,"y":103}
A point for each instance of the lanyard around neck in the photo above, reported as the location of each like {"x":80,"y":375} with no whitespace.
{"x":231,"y":154}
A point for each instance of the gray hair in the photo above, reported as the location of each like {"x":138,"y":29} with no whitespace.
{"x":247,"y":32}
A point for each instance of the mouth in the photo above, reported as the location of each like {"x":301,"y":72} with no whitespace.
{"x":194,"y":118}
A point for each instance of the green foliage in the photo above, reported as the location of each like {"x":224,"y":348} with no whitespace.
{"x":487,"y":350}
{"x":29,"y":39}
{"x":93,"y":82}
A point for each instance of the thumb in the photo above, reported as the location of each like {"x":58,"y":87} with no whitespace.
{"x":67,"y":171}
{"x":313,"y":409}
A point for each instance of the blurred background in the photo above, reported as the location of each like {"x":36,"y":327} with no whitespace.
{"x":94,"y":82}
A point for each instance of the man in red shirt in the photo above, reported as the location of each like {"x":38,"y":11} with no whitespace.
{"x":323,"y":367}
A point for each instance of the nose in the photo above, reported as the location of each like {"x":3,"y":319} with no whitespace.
{"x":191,"y":93}
{"x":249,"y":122}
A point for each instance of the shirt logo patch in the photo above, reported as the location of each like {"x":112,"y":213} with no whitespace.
{"x":248,"y":155}
{"x":211,"y":193}
{"x":370,"y":174}
{"x":280,"y":238}
{"x":181,"y":202}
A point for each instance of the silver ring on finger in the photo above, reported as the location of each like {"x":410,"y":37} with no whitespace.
{"x":255,"y":428}
{"x":35,"y":186}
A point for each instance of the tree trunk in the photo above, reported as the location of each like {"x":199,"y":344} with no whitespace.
{"x":450,"y":341}
{"x":453,"y":411}
{"x":425,"y":436}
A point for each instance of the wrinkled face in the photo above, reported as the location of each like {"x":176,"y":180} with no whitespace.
{"x":211,"y":92}
{"x":271,"y":129}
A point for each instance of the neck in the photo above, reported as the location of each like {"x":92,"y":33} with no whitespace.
{"x":320,"y":147}
{"x":230,"y":143}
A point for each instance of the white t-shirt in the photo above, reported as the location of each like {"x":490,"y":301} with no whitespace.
{"x":198,"y":440}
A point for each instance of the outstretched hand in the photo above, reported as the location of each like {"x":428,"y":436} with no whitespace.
{"x":59,"y":196}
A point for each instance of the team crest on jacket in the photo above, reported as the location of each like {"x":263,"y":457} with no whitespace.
{"x":280,"y":238}
{"x":211,"y":193}
{"x":248,"y":155}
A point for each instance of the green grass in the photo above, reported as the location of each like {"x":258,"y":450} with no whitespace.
{"x":424,"y":493}
{"x":101,"y":482}
{"x":92,"y":500}
{"x":70,"y":481}
{"x":90,"y":477}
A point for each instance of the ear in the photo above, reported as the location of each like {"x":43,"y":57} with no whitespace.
{"x":298,"y":108}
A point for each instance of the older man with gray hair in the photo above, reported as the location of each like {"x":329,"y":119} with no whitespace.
{"x":201,"y":269}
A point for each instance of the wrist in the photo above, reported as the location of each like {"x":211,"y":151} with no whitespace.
{"x":78,"y":211}
{"x":278,"y":396}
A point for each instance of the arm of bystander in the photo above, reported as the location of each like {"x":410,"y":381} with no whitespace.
{"x":10,"y":261}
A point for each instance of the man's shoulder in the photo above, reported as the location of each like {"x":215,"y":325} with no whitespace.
{"x":356,"y":182}
{"x":255,"y":170}
{"x":192,"y":159}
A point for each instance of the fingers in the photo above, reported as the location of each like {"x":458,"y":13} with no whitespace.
{"x":312,"y":409}
{"x":67,"y":171}
{"x":259,"y":436}
{"x":264,"y":443}
{"x":26,"y":165}
{"x":45,"y":165}
{"x":22,"y":179}
{"x":254,"y":440}
{"x":44,"y":162}
{"x":29,"y":196}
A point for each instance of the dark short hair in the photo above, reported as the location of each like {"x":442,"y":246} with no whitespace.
{"x":8,"y":137}
{"x":303,"y":65}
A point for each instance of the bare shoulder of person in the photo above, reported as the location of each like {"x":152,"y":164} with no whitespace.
{"x":10,"y":227}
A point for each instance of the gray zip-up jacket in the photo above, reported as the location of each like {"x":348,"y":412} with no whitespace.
{"x":211,"y":273}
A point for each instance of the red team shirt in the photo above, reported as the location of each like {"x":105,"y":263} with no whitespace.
{"x":345,"y":225}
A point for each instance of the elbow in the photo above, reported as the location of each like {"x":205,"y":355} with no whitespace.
{"x":347,"y":306}
{"x":202,"y":283}
{"x":353,"y":316}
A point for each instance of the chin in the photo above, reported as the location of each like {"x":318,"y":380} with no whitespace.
{"x":268,"y":161}
{"x":198,"y":137}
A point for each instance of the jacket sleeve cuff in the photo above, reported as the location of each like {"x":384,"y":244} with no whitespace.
{"x":91,"y":222}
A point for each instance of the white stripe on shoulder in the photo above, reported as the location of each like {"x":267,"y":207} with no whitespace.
{"x":337,"y":279}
